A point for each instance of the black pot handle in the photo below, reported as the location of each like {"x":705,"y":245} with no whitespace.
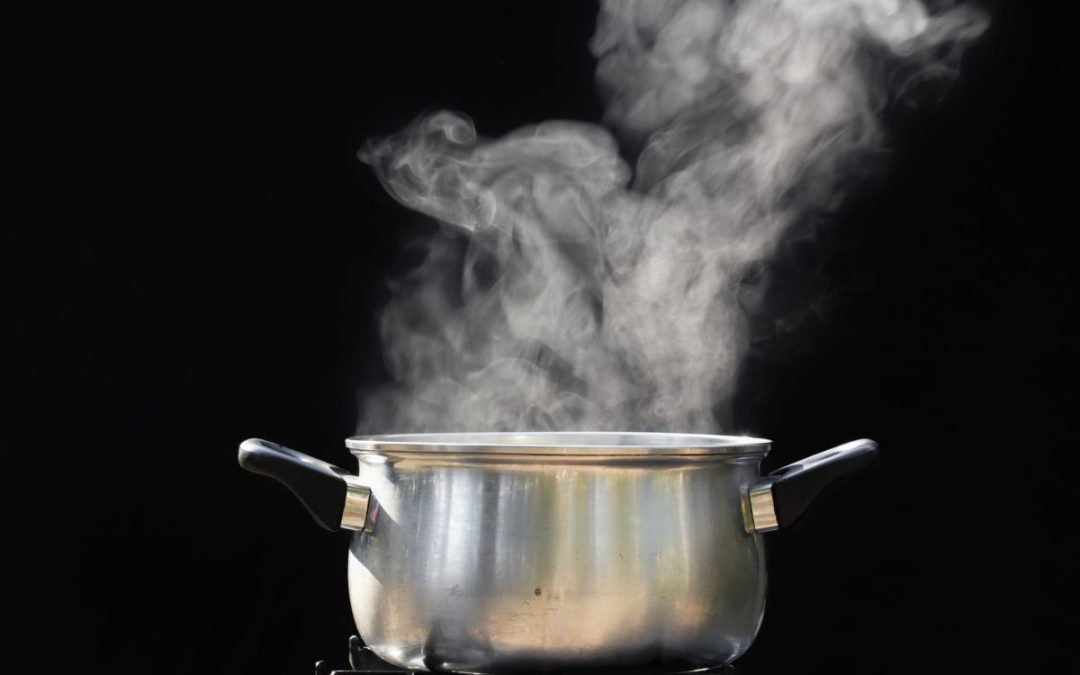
{"x":332,"y":495}
{"x":784,"y":495}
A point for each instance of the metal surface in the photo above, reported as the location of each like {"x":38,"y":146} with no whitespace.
{"x":543,"y":553}
{"x":762,"y":509}
{"x":357,"y":501}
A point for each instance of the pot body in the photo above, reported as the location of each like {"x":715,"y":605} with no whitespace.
{"x":492,"y":562}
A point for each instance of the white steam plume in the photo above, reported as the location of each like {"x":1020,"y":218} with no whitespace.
{"x":585,"y":295}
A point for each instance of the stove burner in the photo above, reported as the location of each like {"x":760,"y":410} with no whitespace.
{"x":362,"y":661}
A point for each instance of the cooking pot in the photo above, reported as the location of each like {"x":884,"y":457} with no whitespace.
{"x":501,"y":552}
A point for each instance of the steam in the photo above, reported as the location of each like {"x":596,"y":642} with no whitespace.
{"x":572,"y":292}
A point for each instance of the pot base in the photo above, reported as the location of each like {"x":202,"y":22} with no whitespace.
{"x":363,"y":661}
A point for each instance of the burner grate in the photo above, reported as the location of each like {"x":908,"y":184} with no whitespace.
{"x":362,"y":661}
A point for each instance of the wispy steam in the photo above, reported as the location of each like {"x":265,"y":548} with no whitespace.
{"x":587,"y":295}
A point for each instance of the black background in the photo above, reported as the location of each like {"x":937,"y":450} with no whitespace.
{"x":200,"y":259}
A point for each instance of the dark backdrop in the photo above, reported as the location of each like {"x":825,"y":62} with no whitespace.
{"x":201,"y":258}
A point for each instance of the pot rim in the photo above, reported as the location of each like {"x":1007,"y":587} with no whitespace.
{"x":577,"y":443}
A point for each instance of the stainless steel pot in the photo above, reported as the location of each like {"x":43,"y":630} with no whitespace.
{"x":545,"y":551}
